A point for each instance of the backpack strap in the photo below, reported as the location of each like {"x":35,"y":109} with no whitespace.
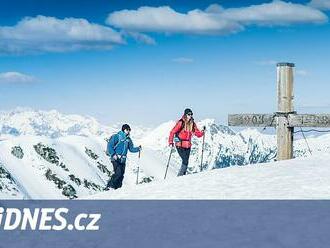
{"x":117,"y":143}
{"x":194,"y":126}
{"x":181,"y":128}
{"x":179,"y":131}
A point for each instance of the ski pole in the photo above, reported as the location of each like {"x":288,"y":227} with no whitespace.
{"x":138,"y":169}
{"x":168,"y":162}
{"x":203,"y":149}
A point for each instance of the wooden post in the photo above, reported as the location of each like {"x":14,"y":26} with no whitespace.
{"x":285,"y":119}
{"x":284,"y":108}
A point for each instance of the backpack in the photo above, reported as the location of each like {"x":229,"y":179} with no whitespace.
{"x":176,"y":135}
{"x":116,"y":144}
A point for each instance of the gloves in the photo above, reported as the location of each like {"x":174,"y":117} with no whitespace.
{"x":140,"y":147}
{"x":204,"y":128}
{"x":115,"y":157}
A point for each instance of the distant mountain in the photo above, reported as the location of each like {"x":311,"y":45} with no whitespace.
{"x":53,"y":124}
{"x":223,"y":147}
{"x":46,"y":154}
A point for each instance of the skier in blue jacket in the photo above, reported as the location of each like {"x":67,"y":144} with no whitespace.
{"x":118,"y":146}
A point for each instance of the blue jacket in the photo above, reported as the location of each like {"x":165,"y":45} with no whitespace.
{"x":119,"y":144}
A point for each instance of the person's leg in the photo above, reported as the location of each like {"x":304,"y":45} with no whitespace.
{"x":184,"y":153}
{"x":113,"y":182}
{"x":122,"y":172}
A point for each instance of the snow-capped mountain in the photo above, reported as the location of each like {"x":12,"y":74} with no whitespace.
{"x":223,"y":147}
{"x":36,"y":167}
{"x":40,"y":167}
{"x":46,"y":154}
{"x":23,"y":121}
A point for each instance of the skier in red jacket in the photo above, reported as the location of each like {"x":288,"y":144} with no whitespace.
{"x":181,"y":136}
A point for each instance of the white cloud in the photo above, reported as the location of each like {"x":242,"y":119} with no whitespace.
{"x":266,"y":62}
{"x":275,"y":13}
{"x":320,"y":4}
{"x":49,"y":34}
{"x":165,"y":19}
{"x":215,"y":19}
{"x":183,"y":60}
{"x":16,"y":77}
{"x":140,"y":37}
{"x":302,"y":72}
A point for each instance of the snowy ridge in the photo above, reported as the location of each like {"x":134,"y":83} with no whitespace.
{"x":292,"y":179}
{"x":22,"y":121}
{"x":49,"y":173}
{"x":52,"y":155}
{"x":36,"y":167}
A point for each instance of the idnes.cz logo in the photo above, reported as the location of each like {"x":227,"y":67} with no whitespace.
{"x":46,"y":219}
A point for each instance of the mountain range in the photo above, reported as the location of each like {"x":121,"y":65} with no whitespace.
{"x":50,"y":155}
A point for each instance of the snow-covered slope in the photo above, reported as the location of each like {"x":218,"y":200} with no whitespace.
{"x":292,"y":179}
{"x":41,"y":167}
{"x":34,"y":167}
{"x":52,"y":155}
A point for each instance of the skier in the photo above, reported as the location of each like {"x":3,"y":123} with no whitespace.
{"x":118,"y":146}
{"x":181,"y":135}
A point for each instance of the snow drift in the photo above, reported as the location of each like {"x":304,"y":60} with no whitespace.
{"x":292,"y":179}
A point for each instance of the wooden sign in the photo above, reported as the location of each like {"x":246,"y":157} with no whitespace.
{"x":285,"y":119}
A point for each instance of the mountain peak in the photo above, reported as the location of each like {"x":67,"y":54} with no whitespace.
{"x":52,"y":123}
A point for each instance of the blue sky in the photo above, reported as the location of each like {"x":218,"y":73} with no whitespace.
{"x":145,"y":65}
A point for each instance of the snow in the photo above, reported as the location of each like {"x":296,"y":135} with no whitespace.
{"x":291,"y":179}
{"x":29,"y":172}
{"x":25,"y":121}
{"x":70,"y":135}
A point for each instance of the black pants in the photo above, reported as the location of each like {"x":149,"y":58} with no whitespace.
{"x":184,"y":154}
{"x":116,"y":180}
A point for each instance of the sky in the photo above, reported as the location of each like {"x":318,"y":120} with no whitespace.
{"x":143,"y":62}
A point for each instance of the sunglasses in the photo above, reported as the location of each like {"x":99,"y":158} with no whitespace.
{"x":190,"y":114}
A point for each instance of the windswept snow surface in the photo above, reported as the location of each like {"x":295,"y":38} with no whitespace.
{"x":73,"y":162}
{"x":81,"y":162}
{"x":292,"y":179}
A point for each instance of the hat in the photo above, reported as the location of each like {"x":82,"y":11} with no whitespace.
{"x":126,"y":127}
{"x":188,"y":111}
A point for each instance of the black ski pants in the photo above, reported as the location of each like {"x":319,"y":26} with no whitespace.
{"x":184,"y":153}
{"x":116,"y":180}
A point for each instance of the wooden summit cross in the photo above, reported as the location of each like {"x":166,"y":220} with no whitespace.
{"x":285,"y":119}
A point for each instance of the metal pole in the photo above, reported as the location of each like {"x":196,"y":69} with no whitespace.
{"x":138,"y":169}
{"x":168,"y":162}
{"x":202,"y":151}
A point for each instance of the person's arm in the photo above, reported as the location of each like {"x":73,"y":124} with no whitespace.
{"x":111,"y":145}
{"x":131,"y":147}
{"x":198,"y":132}
{"x":175,"y":129}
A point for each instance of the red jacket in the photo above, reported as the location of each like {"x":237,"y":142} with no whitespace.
{"x":184,"y":135}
